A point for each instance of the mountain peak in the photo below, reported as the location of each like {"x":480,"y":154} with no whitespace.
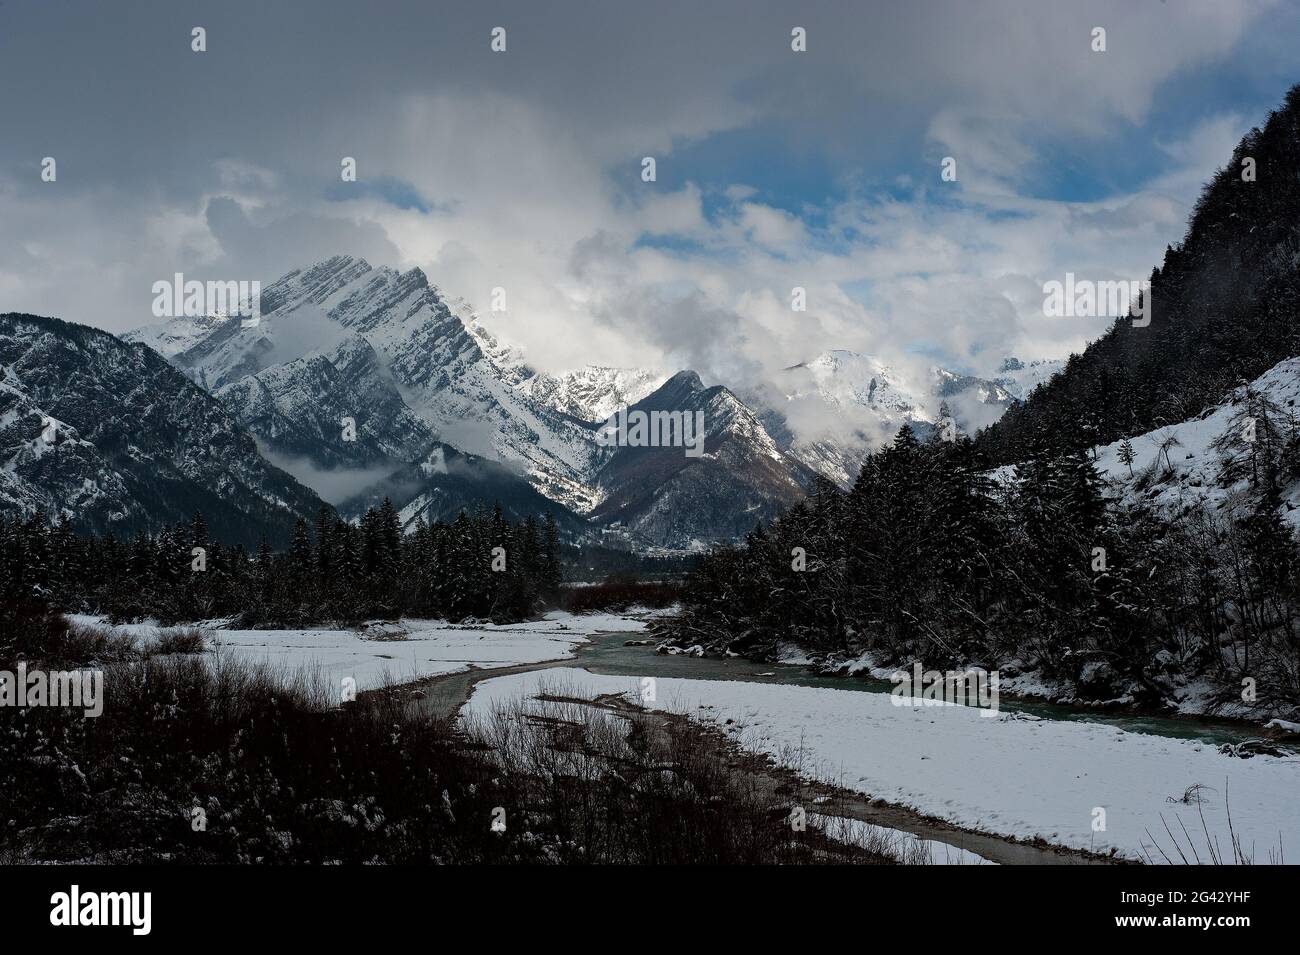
{"x":680,"y":391}
{"x":685,"y":379}
{"x":416,"y":277}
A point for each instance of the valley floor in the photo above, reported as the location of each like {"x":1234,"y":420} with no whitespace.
{"x":1012,"y":775}
{"x":409,"y":651}
{"x":1085,"y":786}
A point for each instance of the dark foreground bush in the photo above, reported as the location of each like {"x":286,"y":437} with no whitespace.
{"x":207,"y":760}
{"x":29,"y":631}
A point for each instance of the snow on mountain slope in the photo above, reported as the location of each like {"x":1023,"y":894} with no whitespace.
{"x":1209,"y":461}
{"x":465,"y":396}
{"x":114,"y":437}
{"x":592,"y":393}
{"x":667,"y":497}
{"x":175,"y":335}
{"x":45,"y":465}
{"x":339,"y":409}
{"x":847,"y":380}
{"x":831,"y":412}
{"x":948,"y":384}
{"x":595,"y":392}
{"x":448,"y":381}
{"x":1020,"y":379}
{"x":505,"y":357}
{"x":865,"y":389}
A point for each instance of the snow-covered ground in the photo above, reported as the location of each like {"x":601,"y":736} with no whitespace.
{"x":903,"y":845}
{"x":427,"y":648}
{"x":1012,"y":775}
{"x":1188,"y":449}
{"x":1180,"y":467}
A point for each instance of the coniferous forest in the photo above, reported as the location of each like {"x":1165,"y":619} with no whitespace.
{"x":1224,"y":305}
{"x":481,"y":566}
{"x":932,"y":557}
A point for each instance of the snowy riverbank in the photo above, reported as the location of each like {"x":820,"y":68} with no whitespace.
{"x":408,"y":650}
{"x":1010,"y":775}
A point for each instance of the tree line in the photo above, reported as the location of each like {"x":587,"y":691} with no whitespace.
{"x":480,"y":565}
{"x":933,"y":556}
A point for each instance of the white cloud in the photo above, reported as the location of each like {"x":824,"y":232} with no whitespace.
{"x":532,"y":165}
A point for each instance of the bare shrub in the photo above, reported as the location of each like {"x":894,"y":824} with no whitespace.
{"x":32,"y":632}
{"x":1181,"y":847}
{"x":625,"y":786}
{"x":213,"y":759}
{"x":177,"y":640}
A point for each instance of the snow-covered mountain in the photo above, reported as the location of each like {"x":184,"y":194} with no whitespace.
{"x":366,"y":382}
{"x":337,"y":409}
{"x":593,"y":393}
{"x":111,"y":435}
{"x":1020,"y":378}
{"x":415,"y":371}
{"x":829,"y":413}
{"x":663,"y":494}
{"x":848,"y":381}
{"x":174,"y":335}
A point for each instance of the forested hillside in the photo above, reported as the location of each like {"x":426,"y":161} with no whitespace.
{"x":1226,"y":307}
{"x":929,"y":558}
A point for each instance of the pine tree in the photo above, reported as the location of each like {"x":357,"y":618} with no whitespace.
{"x":350,"y":599}
{"x":1126,"y":456}
{"x":325,"y":547}
{"x":550,"y":574}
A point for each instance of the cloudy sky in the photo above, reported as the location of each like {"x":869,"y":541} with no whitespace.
{"x":522,"y":169}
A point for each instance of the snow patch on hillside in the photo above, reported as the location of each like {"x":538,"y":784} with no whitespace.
{"x":1204,"y":462}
